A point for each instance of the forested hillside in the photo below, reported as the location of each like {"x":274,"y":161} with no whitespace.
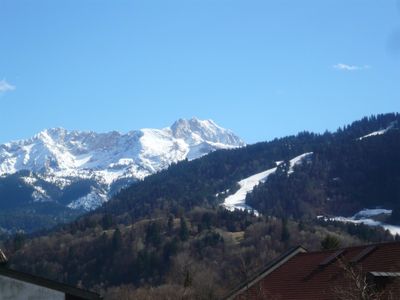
{"x":18,"y":212}
{"x":340,"y":179}
{"x":170,"y":232}
{"x":344,"y":174}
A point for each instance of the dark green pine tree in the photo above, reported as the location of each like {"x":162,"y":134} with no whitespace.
{"x":395,"y":217}
{"x":283,"y":168}
{"x":188,"y":280}
{"x":330,"y":242}
{"x":184,"y":230}
{"x":170,"y":224}
{"x":285,"y":235}
{"x":117,"y":240}
{"x":153,"y":234}
{"x":18,"y":240}
{"x":106,"y":221}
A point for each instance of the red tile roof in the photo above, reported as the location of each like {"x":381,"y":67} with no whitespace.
{"x":321,"y":275}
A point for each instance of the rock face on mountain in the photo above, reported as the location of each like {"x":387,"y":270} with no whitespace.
{"x":58,"y":159}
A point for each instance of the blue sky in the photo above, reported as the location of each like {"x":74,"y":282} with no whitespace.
{"x":262,"y":68}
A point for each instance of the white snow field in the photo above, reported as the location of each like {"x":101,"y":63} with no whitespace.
{"x":237,"y":200}
{"x":365,"y":217}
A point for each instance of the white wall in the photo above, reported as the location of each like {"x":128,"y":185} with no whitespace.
{"x":12,"y":289}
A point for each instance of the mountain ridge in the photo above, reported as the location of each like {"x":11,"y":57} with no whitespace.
{"x":62,"y":149}
{"x":96,"y":165}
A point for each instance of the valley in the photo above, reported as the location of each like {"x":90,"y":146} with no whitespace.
{"x":201,"y":226}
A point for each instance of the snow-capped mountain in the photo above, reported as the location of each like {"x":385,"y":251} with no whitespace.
{"x":62,"y":157}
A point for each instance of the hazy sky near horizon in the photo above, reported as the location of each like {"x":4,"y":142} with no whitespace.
{"x":262,"y":68}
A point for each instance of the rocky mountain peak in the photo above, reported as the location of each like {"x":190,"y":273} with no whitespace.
{"x":63,"y":155}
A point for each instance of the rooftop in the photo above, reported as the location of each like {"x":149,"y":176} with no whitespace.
{"x":318,"y":275}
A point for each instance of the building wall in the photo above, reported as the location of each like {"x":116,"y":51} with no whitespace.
{"x":13,"y":289}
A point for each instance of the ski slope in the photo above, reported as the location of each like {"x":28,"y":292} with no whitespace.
{"x":237,"y":200}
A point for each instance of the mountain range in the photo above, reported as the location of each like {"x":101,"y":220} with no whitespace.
{"x":81,"y":170}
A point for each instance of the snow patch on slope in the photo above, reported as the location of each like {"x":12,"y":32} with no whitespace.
{"x":297,"y":161}
{"x":379,"y":132}
{"x":365,"y":213}
{"x":38,"y":194}
{"x":94,"y":199}
{"x":237,"y":200}
{"x":365,"y":217}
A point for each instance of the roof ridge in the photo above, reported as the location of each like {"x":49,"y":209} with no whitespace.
{"x":49,"y":283}
{"x":275,"y":263}
{"x":301,"y":276}
{"x":377,"y":244}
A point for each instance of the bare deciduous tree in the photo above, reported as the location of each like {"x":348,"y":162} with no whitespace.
{"x":357,"y":286}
